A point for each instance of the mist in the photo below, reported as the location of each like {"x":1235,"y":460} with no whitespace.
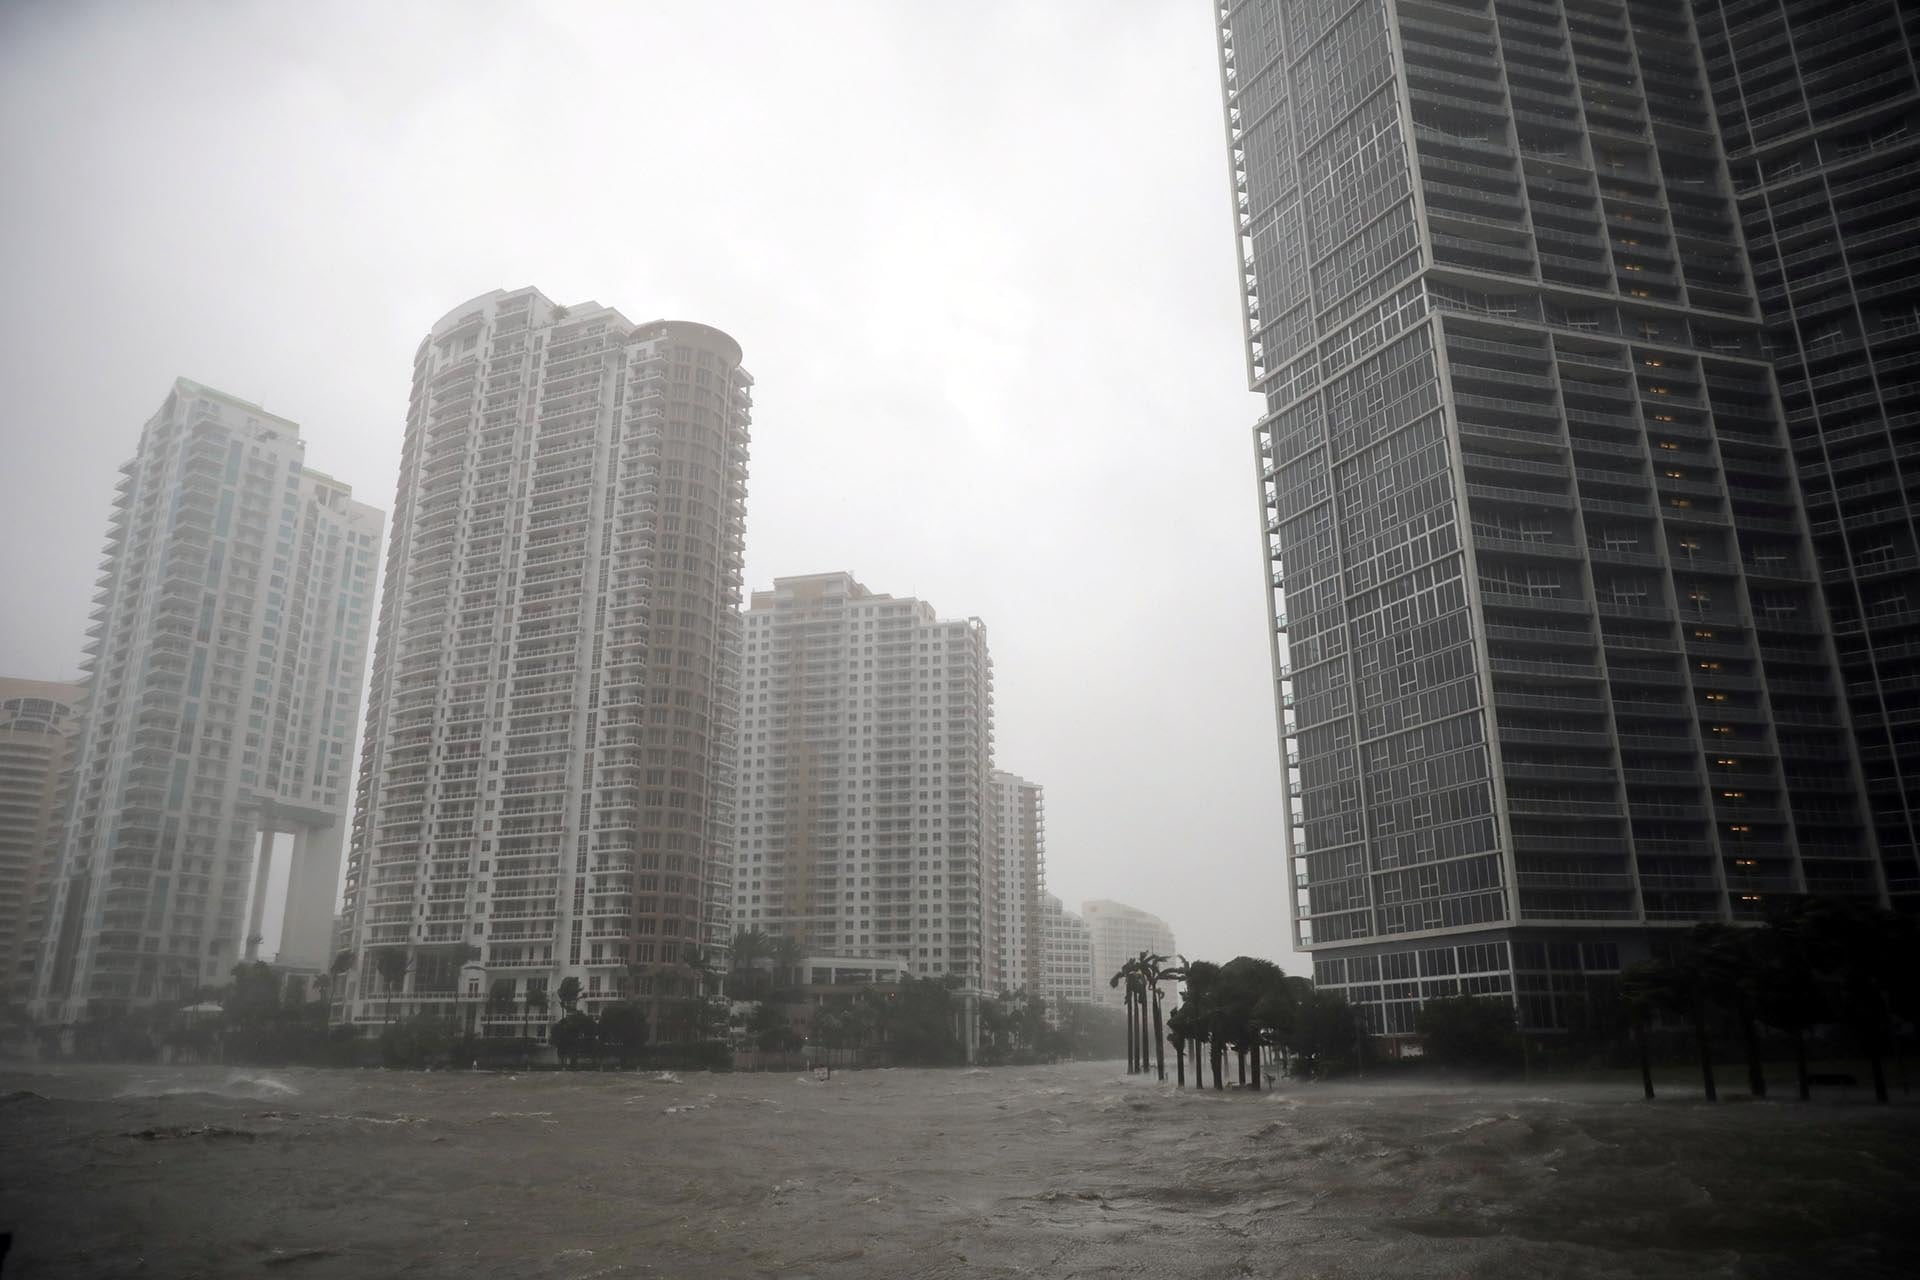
{"x":979,"y":260}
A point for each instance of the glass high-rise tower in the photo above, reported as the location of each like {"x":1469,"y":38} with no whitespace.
{"x":1819,"y":107}
{"x":1554,"y":661}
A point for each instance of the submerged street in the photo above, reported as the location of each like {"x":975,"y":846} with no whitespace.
{"x":1045,"y":1171}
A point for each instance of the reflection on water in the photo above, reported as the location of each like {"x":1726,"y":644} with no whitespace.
{"x":1048,"y":1172}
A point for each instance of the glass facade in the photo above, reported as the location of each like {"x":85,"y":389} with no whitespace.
{"x":1553,"y":651}
{"x":1819,"y":106}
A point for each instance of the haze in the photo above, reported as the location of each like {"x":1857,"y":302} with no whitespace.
{"x":978,"y":257}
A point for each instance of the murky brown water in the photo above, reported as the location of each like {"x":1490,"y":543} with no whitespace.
{"x":1048,"y":1172}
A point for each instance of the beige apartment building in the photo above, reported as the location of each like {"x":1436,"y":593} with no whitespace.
{"x":866,"y":778}
{"x":547,"y":779}
{"x":1018,"y":841}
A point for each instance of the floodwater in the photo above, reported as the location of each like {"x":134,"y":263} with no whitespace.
{"x":1060,"y":1171}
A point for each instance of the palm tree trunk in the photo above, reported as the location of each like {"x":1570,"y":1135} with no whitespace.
{"x":1180,"y":1065}
{"x":1254,"y":1053}
{"x":1756,"y":1074}
{"x":1800,"y":1063}
{"x":1877,"y":1060}
{"x":1130,"y":1046}
{"x":1143,"y":1031}
{"x":1646,"y":1062}
{"x":1216,"y":1051}
{"x":1159,"y":1040}
{"x":1706,"y":1052}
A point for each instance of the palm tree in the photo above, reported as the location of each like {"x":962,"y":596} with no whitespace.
{"x":787,"y":953}
{"x":1639,"y":996}
{"x":750,"y":946}
{"x":535,"y":1001}
{"x":1275,"y":1013}
{"x":569,"y":993}
{"x":1725,"y":958}
{"x":1243,"y":983}
{"x":1201,"y":1017}
{"x":1153,"y":970}
{"x":392,"y":963}
{"x":1866,"y":962}
{"x":1788,"y":989}
{"x":1129,"y":973}
{"x":1679,"y":986}
{"x":500,"y":998}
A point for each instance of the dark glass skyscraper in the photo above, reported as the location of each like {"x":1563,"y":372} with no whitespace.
{"x":1819,"y":107}
{"x":1556,"y":669}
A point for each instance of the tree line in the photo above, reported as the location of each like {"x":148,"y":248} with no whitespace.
{"x":1824,"y":975}
{"x":1247,"y":1009}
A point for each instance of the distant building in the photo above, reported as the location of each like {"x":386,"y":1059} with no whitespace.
{"x":39,"y":722}
{"x":547,"y":775}
{"x":1120,"y":933}
{"x":1066,"y":956}
{"x":1018,"y":871}
{"x":225,"y":662}
{"x":865,"y":768}
{"x":1583,"y":331}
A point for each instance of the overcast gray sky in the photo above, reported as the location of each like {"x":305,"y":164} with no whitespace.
{"x":979,"y":257}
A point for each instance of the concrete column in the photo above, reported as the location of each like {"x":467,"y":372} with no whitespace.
{"x":306,"y":933}
{"x":256,"y":918}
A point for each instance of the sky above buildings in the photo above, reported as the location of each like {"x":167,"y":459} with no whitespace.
{"x":979,"y":258}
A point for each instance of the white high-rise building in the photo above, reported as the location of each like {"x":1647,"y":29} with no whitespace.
{"x":1019,"y":872}
{"x":546,"y":785}
{"x":1066,"y":956}
{"x":225,"y":662}
{"x":866,"y":761}
{"x":1119,"y":934}
{"x":39,"y":721}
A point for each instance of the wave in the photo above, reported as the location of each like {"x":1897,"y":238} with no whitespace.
{"x":238,"y":1084}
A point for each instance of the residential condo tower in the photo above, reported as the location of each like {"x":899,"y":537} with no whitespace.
{"x":547,"y":780}
{"x":1556,"y":670}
